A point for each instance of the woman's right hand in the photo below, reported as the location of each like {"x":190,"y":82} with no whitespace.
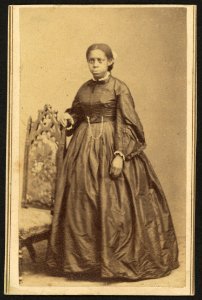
{"x":66,"y":119}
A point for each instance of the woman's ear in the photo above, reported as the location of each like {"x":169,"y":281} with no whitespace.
{"x":110,"y":62}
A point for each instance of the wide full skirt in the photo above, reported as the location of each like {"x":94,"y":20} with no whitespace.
{"x":120,"y":227}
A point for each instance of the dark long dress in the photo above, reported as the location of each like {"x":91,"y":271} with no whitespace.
{"x":121,"y":227}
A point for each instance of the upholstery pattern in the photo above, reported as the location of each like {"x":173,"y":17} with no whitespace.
{"x":41,"y":172}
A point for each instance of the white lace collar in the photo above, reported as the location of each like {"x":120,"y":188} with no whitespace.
{"x":103,"y":78}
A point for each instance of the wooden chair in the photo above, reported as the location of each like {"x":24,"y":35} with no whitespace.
{"x":44,"y":152}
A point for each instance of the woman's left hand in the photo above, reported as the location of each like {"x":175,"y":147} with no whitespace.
{"x":116,"y":166}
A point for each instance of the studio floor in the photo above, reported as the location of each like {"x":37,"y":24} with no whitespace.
{"x":35,"y":274}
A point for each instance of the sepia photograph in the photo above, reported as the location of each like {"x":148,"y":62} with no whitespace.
{"x":101,"y":150}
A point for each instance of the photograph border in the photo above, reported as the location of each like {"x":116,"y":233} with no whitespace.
{"x":11,"y":162}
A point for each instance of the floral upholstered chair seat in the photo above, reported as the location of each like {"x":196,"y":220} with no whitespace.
{"x":34,"y":222}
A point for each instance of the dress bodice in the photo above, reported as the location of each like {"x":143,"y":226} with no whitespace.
{"x":98,"y":99}
{"x":110,"y":100}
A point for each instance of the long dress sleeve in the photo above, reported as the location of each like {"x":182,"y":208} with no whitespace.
{"x":77,"y":114}
{"x":129,"y":134}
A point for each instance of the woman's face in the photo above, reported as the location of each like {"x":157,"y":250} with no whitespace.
{"x":98,"y":63}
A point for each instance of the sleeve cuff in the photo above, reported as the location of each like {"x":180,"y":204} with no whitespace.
{"x":120,"y":154}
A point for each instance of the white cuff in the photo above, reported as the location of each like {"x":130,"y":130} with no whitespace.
{"x":120,"y":154}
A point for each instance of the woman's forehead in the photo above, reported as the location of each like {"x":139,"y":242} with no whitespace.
{"x":96,"y":53}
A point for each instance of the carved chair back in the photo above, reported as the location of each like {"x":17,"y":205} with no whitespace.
{"x":44,"y":152}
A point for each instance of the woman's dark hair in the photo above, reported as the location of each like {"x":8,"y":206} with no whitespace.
{"x":105,"y":48}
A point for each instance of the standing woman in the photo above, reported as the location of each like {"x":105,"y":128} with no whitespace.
{"x":111,"y":216}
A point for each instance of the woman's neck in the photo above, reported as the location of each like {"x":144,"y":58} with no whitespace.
{"x":103,"y":78}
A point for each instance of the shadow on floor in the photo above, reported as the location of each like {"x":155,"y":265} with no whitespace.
{"x":37,"y":274}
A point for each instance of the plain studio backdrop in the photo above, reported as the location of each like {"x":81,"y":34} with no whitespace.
{"x":150,"y":43}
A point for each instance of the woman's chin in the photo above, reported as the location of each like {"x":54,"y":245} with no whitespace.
{"x":97,"y":75}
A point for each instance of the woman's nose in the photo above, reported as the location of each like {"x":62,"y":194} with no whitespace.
{"x":95,"y":63}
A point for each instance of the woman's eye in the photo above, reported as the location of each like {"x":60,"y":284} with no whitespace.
{"x":99,"y":60}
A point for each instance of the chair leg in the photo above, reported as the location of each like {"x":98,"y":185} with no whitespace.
{"x":20,"y":255}
{"x":31,"y":251}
